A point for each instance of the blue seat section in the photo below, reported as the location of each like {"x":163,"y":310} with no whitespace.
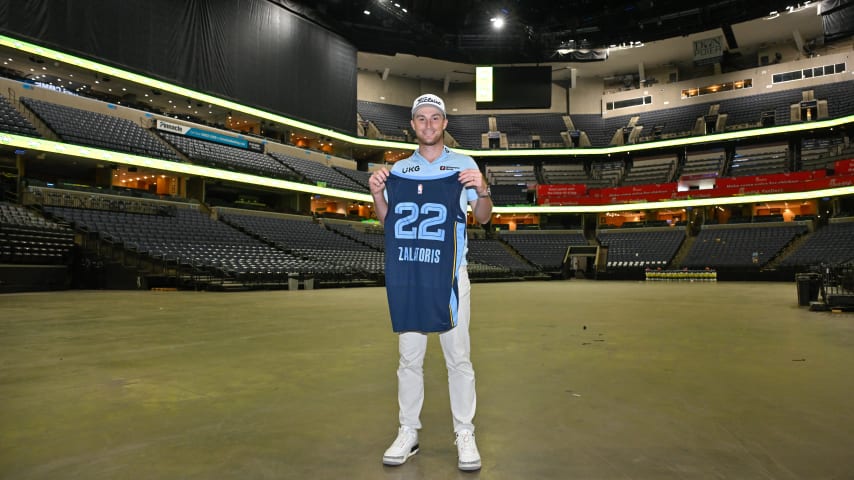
{"x":741,"y":246}
{"x":492,"y":252}
{"x":831,"y":244}
{"x":760,"y":161}
{"x":316,"y":172}
{"x":641,"y":249}
{"x":358,"y":176}
{"x":606,"y":174}
{"x":742,"y":112}
{"x":372,"y":236}
{"x":544,"y":250}
{"x":676,"y":120}
{"x":599,"y":130}
{"x":509,"y":194}
{"x":84,"y":127}
{"x":839,"y":96}
{"x":520,"y":127}
{"x":312,"y":242}
{"x":12,"y":121}
{"x":516,"y":174}
{"x":186,"y":237}
{"x":651,"y":170}
{"x":819,"y":153}
{"x":391,"y":120}
{"x":28,"y":238}
{"x":704,"y":162}
{"x":210,"y":154}
{"x":468,"y":130}
{"x":564,"y":173}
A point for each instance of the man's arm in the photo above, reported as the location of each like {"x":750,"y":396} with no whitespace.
{"x":377,"y":184}
{"x":482,"y":207}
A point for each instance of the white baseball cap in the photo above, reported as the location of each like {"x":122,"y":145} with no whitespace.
{"x":428,"y":99}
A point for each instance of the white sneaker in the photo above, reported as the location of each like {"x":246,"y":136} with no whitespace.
{"x":403,"y":447}
{"x":469,"y":457}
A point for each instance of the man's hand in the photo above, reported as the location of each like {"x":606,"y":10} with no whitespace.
{"x":472,"y":178}
{"x":377,"y":184}
{"x":377,"y":181}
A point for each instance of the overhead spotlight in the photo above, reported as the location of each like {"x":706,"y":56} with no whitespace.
{"x":497,"y":22}
{"x":366,"y":12}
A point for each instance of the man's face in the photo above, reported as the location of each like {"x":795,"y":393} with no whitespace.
{"x":429,"y":125}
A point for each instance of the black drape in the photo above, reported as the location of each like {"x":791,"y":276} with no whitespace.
{"x":252,"y":51}
{"x":837,"y":17}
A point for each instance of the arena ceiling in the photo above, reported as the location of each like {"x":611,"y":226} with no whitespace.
{"x":462,"y":30}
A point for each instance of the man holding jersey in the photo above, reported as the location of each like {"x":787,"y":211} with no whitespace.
{"x":422,"y":201}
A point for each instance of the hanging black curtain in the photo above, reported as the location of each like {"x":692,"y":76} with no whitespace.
{"x":837,"y":17}
{"x":252,"y":51}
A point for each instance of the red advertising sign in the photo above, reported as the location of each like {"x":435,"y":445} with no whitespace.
{"x":560,"y":194}
{"x":844,"y":167}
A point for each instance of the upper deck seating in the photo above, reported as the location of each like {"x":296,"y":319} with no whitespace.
{"x":84,"y":127}
{"x":229,"y":158}
{"x":12,"y":121}
{"x":316,"y":172}
{"x":747,"y":246}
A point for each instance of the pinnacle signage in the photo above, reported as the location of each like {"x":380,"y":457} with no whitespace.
{"x":208,"y":136}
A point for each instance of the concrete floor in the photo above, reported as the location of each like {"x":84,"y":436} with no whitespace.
{"x":667,"y":381}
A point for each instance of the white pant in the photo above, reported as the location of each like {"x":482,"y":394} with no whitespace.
{"x":457,"y":349}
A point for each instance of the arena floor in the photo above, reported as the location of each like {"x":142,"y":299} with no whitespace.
{"x":576,"y":379}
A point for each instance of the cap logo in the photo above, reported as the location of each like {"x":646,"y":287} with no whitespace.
{"x":428,"y":99}
{"x":422,"y":101}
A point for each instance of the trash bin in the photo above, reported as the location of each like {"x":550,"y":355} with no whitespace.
{"x":808,"y":285}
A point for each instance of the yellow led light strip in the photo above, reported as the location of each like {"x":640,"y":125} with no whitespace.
{"x":45,"y":52}
{"x":42,"y":145}
{"x":697,"y":202}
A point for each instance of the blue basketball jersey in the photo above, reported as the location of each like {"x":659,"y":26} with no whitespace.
{"x":425,"y":232}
